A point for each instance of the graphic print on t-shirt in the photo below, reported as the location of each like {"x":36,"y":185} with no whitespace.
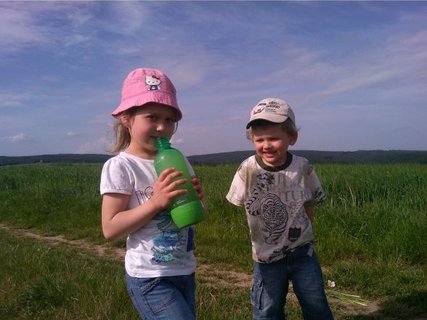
{"x":168,"y":243}
{"x":269,"y":207}
{"x":170,"y":240}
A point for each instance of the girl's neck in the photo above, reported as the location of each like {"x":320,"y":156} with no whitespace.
{"x":143,"y":154}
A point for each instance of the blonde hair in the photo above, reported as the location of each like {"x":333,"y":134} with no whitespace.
{"x":288,"y":126}
{"x":121,"y":131}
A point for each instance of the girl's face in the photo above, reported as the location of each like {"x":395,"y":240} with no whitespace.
{"x":147,"y":124}
{"x":271,"y":144}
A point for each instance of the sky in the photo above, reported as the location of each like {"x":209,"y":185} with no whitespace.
{"x":355,"y":73}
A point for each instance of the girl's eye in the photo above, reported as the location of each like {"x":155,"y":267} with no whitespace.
{"x":152,"y":117}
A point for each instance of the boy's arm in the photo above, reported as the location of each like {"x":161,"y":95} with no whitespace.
{"x":310,"y":212}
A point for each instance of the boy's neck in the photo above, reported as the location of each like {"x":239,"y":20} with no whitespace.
{"x":283,"y":166}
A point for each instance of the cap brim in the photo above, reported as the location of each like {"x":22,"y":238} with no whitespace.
{"x":270,"y":118}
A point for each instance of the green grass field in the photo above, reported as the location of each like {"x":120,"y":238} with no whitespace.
{"x":371,"y":239}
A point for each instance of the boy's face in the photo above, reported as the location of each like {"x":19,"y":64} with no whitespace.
{"x":271,"y":144}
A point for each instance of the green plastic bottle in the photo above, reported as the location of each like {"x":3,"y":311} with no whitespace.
{"x":187,"y":209}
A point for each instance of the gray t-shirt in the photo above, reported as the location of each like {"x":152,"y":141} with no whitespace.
{"x":274,"y":201}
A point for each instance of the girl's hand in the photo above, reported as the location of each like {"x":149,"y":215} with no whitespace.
{"x":164,"y":188}
{"x":198,"y":187}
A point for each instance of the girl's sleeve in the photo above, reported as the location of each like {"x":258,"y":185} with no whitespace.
{"x":115,"y":178}
{"x":190,"y":167}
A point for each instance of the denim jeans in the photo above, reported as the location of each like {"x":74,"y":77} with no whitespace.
{"x":164,"y":298}
{"x":271,"y":282}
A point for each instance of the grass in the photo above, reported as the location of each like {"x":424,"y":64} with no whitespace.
{"x":55,"y":199}
{"x":371,"y":239}
{"x":44,"y":282}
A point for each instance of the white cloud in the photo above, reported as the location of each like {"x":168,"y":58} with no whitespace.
{"x":20,"y":137}
{"x":19,"y":28}
{"x":12,"y":100}
{"x":128,"y":17}
{"x":102,"y":144}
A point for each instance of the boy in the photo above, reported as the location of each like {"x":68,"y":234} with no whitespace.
{"x":278,"y":191}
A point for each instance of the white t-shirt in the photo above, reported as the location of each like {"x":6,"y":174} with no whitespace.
{"x":274,"y":201}
{"x":159,"y":248}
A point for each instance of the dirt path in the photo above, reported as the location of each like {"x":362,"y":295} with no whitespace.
{"x":210,"y":275}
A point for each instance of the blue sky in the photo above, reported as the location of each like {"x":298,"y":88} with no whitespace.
{"x":355,"y":73}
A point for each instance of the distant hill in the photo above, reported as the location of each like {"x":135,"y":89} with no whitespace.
{"x":55,"y":158}
{"x":370,"y":156}
{"x":350,"y":157}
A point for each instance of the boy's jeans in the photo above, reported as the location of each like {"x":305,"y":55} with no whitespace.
{"x":270,"y":286}
{"x":164,"y":298}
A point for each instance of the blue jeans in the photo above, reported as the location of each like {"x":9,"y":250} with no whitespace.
{"x":164,"y":298}
{"x":271,"y":282}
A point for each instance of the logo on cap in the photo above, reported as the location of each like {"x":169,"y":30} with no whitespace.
{"x":259,"y":110}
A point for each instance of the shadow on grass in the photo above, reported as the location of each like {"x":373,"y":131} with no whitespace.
{"x":410,"y":307}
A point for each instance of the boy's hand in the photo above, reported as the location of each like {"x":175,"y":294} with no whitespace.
{"x":164,"y":188}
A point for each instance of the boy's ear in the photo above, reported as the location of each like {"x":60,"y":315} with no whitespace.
{"x":294,"y":139}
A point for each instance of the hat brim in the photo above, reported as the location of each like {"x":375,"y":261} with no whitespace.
{"x":149,"y":97}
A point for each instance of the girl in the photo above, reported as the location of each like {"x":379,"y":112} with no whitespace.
{"x":159,"y":261}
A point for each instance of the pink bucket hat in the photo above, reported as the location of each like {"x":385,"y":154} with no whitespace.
{"x":273,"y":110}
{"x":144,"y":85}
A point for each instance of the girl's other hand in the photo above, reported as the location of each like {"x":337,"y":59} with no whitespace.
{"x":198,"y":187}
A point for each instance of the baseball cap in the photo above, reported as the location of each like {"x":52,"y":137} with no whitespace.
{"x":145,"y":85}
{"x":271,"y":109}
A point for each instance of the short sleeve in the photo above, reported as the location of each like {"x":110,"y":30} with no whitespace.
{"x":312,"y":182}
{"x":190,"y":167}
{"x":116,"y":177}
{"x":235,"y":194}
